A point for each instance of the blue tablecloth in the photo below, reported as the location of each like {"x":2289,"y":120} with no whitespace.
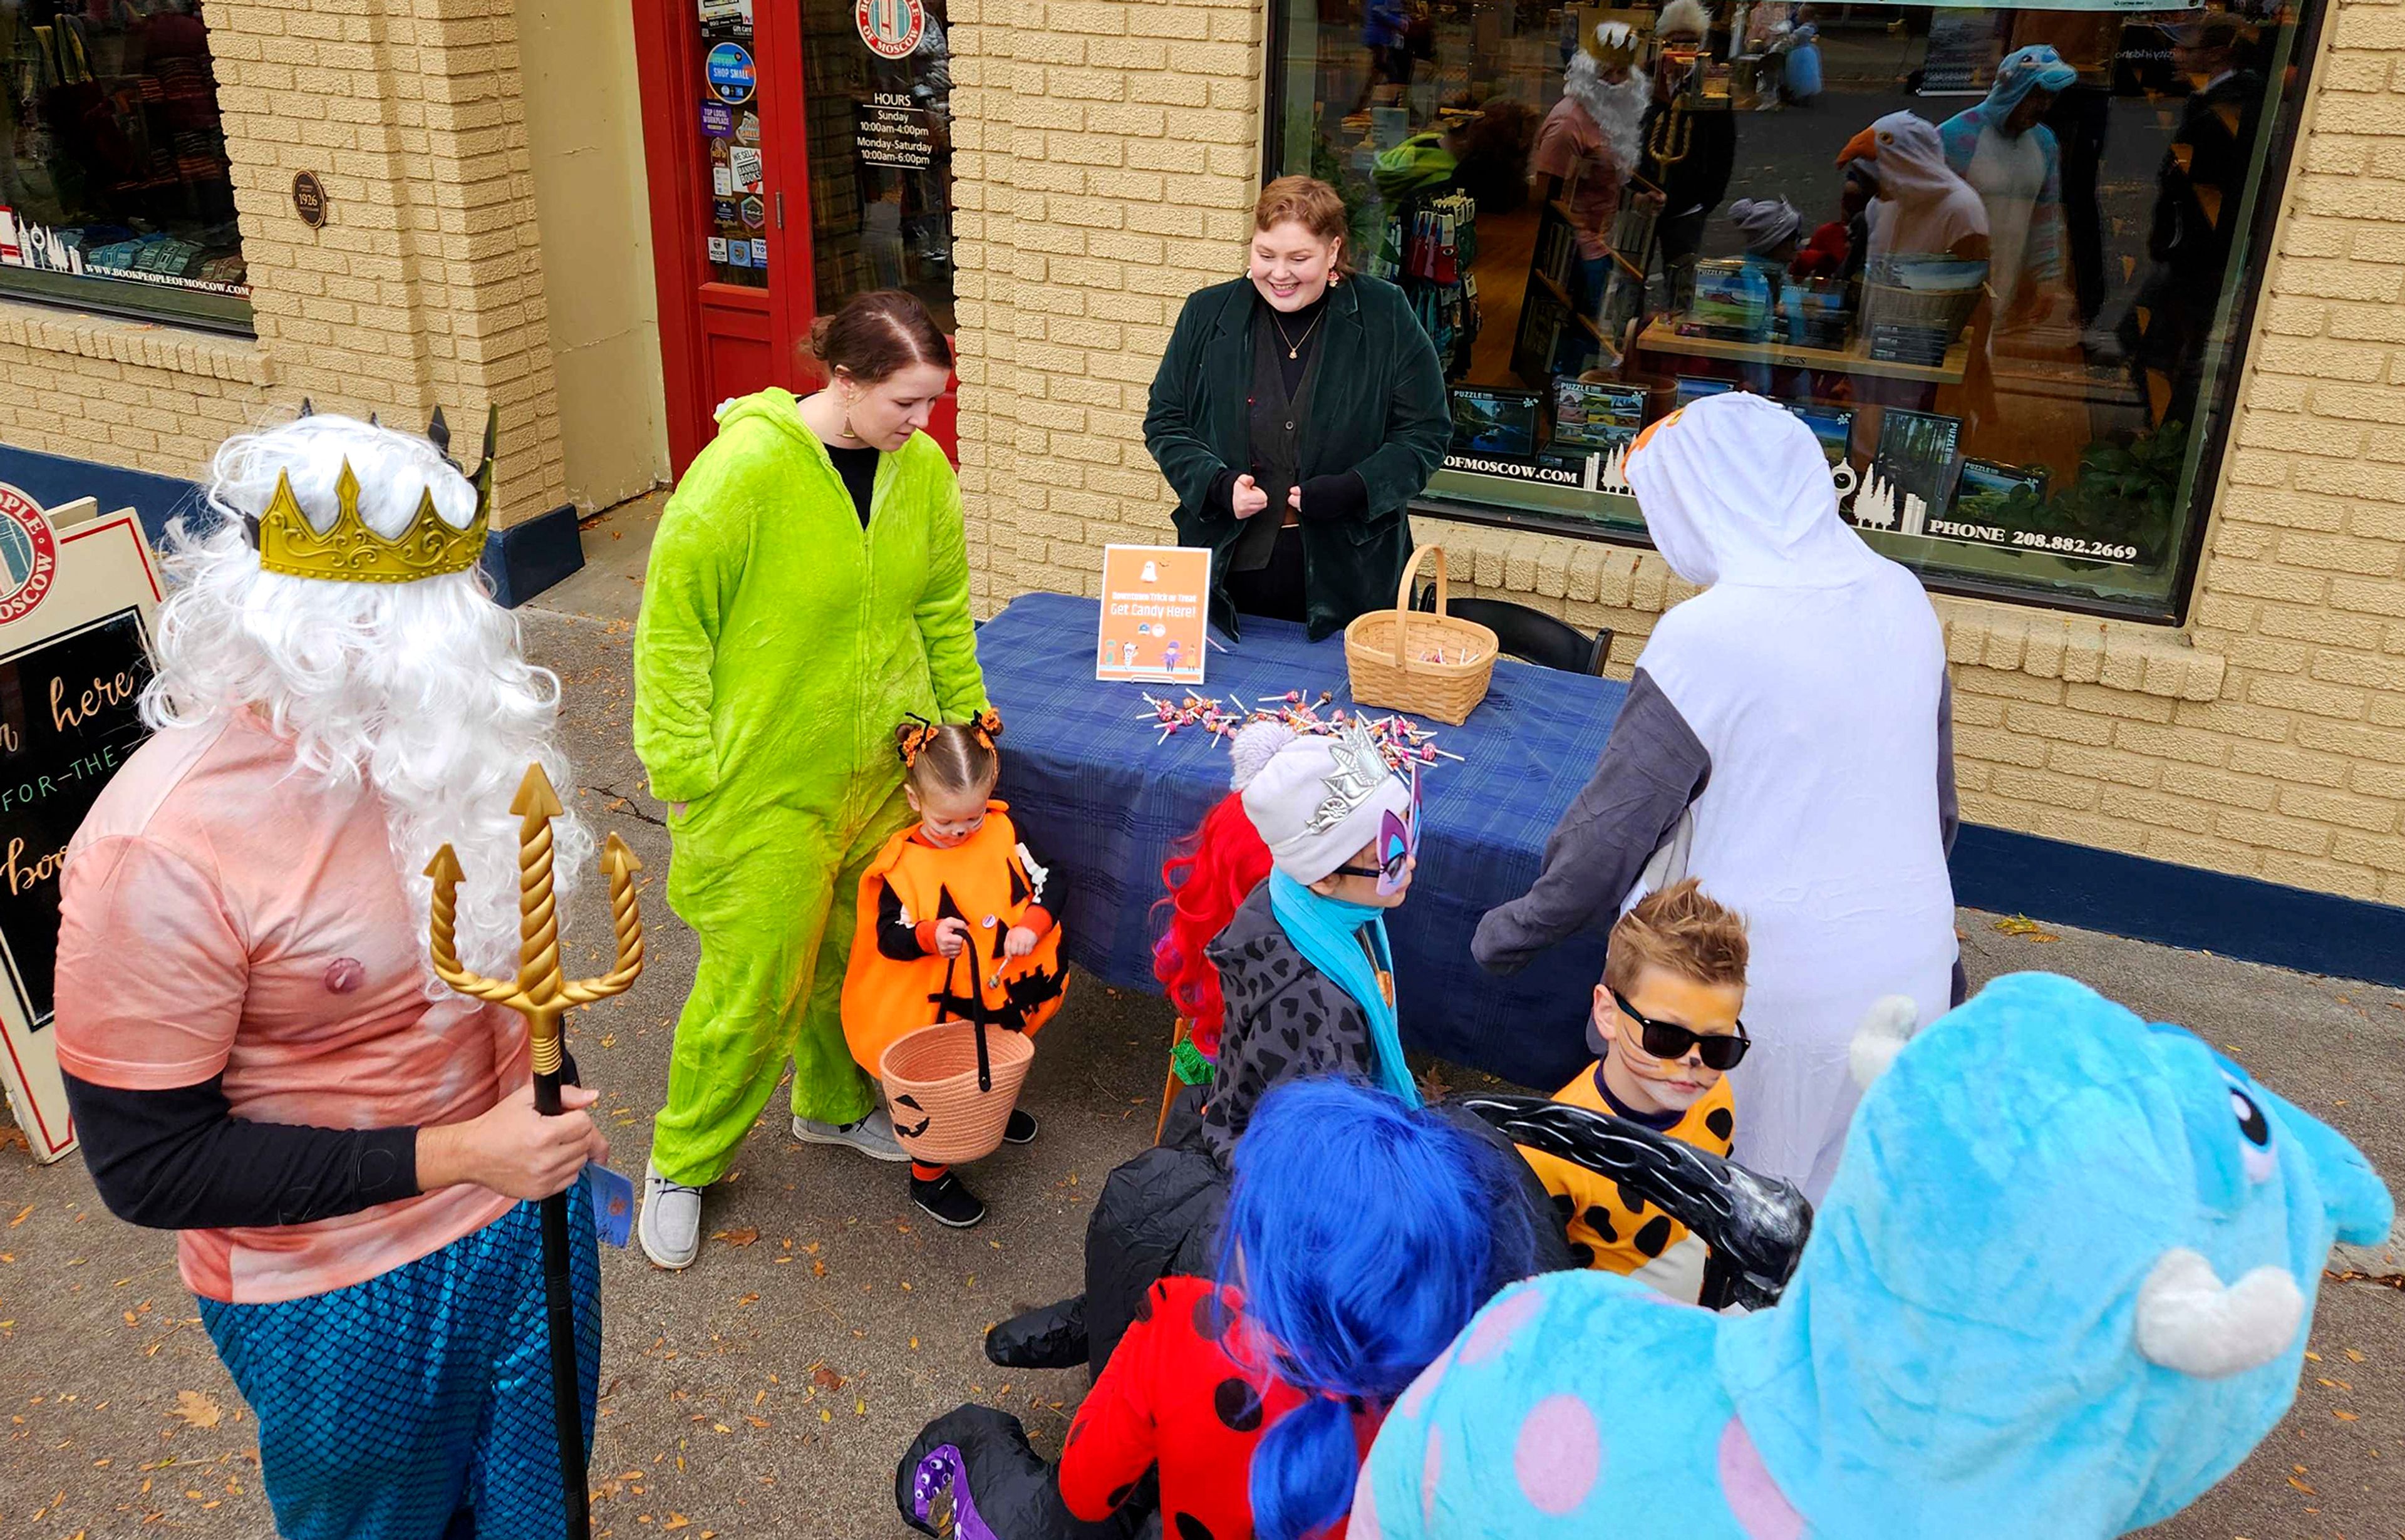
{"x":1096,"y":794}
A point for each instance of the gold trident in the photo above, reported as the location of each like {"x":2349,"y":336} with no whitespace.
{"x":543,"y":996}
{"x":539,"y":993}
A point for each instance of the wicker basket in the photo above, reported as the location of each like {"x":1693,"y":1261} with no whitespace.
{"x":1430,"y":665}
{"x":950,"y":1088}
{"x":1918,"y":326}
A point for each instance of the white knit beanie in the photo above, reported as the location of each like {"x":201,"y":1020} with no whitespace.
{"x":1317,"y":802}
{"x":1252,"y":748}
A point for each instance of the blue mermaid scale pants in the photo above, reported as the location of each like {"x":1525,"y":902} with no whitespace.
{"x":417,"y":1405}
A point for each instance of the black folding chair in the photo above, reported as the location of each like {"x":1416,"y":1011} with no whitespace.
{"x":1529,"y":635}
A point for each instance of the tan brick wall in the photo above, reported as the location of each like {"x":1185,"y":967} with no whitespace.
{"x":1110,"y":153}
{"x":1105,"y":158}
{"x":424,"y":288}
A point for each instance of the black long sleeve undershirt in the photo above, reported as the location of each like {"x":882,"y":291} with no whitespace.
{"x":900,"y":942}
{"x":178,"y":1159}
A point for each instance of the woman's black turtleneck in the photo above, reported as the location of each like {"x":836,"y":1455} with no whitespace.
{"x":1324,"y":498}
{"x":1298,"y":331}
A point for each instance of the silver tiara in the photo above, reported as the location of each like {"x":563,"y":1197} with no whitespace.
{"x":1360,"y":768}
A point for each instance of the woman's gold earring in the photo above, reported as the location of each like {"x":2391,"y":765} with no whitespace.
{"x":847,"y":419}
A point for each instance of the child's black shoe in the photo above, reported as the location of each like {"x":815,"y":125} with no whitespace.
{"x":1022,"y":1127}
{"x":947,"y":1199}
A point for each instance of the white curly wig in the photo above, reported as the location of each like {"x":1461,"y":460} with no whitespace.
{"x":416,"y":688}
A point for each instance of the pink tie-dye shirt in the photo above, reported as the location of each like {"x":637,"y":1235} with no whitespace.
{"x":223,"y":912}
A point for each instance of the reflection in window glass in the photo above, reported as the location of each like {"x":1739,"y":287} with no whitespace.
{"x":879,"y":81}
{"x":114,"y":189}
{"x":1991,"y":256}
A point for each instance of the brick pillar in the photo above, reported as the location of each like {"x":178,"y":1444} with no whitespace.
{"x":1105,"y":161}
{"x":425,"y":285}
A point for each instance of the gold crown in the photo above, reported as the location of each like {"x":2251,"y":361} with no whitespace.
{"x":350,"y":552}
{"x":1613,"y":45}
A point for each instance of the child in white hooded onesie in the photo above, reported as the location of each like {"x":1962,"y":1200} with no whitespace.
{"x":1795,"y":715}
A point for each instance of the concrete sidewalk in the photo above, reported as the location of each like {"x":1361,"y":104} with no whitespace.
{"x":768,"y":1390}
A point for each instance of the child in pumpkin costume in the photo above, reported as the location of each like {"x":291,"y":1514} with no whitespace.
{"x":956,"y":924}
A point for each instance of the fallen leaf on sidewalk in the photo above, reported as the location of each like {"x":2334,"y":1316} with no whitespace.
{"x":743,"y":1236}
{"x":825,"y":1378}
{"x":20,"y":1216}
{"x":2022,"y":926}
{"x":197,"y":1409}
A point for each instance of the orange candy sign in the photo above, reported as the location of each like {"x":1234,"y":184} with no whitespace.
{"x":1155,"y":611}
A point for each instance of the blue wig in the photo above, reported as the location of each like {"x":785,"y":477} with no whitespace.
{"x":1361,"y":1237}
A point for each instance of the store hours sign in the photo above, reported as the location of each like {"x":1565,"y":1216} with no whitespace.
{"x":895,"y":132}
{"x":77,"y":592}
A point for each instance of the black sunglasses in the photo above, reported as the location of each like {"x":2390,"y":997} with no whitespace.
{"x":1387,"y":873}
{"x":1670,"y":1041}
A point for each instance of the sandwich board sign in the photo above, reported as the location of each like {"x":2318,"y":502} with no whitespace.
{"x":76,"y":593}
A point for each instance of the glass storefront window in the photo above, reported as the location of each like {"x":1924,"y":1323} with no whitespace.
{"x":736,"y":234}
{"x":1997,"y":258}
{"x":114,"y":191}
{"x":878,"y":79}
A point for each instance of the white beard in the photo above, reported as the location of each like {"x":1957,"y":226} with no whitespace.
{"x":416,"y":690}
{"x":1618,"y":110}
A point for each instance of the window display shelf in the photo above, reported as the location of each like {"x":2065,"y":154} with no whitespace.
{"x":1661,"y":337}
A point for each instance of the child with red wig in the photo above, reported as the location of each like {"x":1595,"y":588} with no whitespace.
{"x":1209,"y":873}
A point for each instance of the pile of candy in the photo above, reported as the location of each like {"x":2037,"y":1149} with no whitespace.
{"x":1402,"y":740}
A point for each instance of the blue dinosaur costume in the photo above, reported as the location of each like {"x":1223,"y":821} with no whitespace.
{"x":2061,"y":1287}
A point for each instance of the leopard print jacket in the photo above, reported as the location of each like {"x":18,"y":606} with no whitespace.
{"x":1286,"y":1021}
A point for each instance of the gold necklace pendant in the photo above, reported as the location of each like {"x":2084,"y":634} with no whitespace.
{"x":1294,"y":344}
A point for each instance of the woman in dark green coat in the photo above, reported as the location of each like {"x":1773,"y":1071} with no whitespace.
{"x":1297,"y":412}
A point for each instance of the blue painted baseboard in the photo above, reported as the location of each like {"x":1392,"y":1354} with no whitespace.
{"x":522,"y":560}
{"x":529,"y":556}
{"x":54,"y":479}
{"x":2155,"y":901}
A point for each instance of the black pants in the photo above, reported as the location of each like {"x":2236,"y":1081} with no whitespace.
{"x":2080,"y":118}
{"x":1274,"y":591}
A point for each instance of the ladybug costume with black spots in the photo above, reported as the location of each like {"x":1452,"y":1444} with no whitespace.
{"x":1171,"y":1424}
{"x":1175,"y":1396}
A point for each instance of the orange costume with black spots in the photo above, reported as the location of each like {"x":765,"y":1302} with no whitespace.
{"x":898,"y":981}
{"x":1606,"y":1232}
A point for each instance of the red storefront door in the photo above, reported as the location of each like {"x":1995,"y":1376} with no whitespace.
{"x":798,"y":152}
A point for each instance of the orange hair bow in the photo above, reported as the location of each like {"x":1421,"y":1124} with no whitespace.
{"x":913,"y":739}
{"x":987,"y":725}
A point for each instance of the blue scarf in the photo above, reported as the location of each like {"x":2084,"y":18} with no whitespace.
{"x":1328,"y":933}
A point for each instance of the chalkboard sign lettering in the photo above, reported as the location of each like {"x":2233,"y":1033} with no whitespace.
{"x":68,"y":719}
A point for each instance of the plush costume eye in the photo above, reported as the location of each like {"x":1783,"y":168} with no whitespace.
{"x":2256,"y":1129}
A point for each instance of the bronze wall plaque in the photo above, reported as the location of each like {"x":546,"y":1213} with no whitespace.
{"x":309,"y":199}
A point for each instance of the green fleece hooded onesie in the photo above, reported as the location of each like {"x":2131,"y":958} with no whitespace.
{"x":780,"y":646}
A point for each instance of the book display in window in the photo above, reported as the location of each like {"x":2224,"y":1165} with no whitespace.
{"x":116,"y":164}
{"x":1430,"y":245}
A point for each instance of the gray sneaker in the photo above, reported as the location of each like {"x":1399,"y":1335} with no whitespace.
{"x":670,"y":1227}
{"x":872,"y":1136}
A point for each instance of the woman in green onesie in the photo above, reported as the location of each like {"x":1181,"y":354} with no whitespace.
{"x":808,"y":589}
